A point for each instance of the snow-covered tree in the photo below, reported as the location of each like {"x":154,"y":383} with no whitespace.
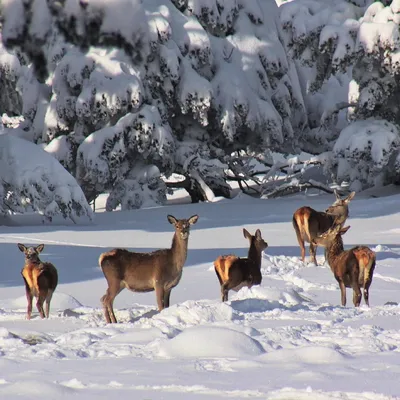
{"x":214,"y":74}
{"x":363,"y":39}
{"x":33,"y":181}
{"x":367,"y":154}
{"x":319,"y":35}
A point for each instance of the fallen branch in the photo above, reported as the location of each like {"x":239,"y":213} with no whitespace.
{"x":290,"y":188}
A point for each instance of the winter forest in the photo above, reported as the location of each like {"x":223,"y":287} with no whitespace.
{"x":135,"y":98}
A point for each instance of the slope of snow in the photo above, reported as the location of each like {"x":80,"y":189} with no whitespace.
{"x":286,"y":339}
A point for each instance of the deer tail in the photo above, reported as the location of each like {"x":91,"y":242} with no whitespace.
{"x":104,"y":257}
{"x":300,"y":225}
{"x":369,"y":268}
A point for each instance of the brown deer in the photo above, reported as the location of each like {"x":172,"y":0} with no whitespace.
{"x":234,"y":273}
{"x":160,"y":270}
{"x":41,"y":279}
{"x":352,"y":268}
{"x":309,"y":223}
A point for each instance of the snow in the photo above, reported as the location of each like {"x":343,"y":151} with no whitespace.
{"x":286,"y":339}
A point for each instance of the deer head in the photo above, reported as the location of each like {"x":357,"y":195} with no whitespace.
{"x":182,"y":226}
{"x":31,"y":253}
{"x":258,"y":241}
{"x":340,"y":208}
{"x":329,"y":236}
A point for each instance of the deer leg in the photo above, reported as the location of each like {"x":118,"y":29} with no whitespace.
{"x":355,"y":271}
{"x":224,"y":291}
{"x":39,"y":303}
{"x":29,"y":297}
{"x":302,"y":249}
{"x":367,"y":284}
{"x":342,"y":290}
{"x":107,"y":301}
{"x":160,"y":293}
{"x":313,"y":251}
{"x":48,"y":299}
{"x":218,"y":276}
{"x":356,"y":295}
{"x":167,"y":295}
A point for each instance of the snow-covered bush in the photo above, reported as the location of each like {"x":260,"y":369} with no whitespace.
{"x":143,"y":187}
{"x":33,"y":181}
{"x":366,"y":154}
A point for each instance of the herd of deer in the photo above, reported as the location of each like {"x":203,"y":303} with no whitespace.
{"x":161,"y":270}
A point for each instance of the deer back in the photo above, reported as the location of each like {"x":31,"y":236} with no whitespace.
{"x":223,"y":264}
{"x":138,"y":270}
{"x":312,"y":223}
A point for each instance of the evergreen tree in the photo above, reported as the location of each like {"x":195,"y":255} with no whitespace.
{"x":134,"y":91}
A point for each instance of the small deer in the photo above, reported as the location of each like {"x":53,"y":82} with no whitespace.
{"x":352,"y":268}
{"x":41,"y":279}
{"x":234,"y":273}
{"x":309,"y":223}
{"x":160,"y":270}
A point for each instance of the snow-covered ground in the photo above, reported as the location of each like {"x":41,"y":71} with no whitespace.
{"x":286,"y":339}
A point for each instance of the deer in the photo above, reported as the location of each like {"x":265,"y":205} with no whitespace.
{"x":234,"y":273}
{"x":160,"y":270}
{"x":41,"y":279}
{"x":309,"y":223}
{"x":352,"y":268}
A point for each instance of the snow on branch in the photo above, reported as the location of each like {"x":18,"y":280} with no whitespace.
{"x":10,"y":70}
{"x":107,"y":157}
{"x":365,"y":153}
{"x":322,"y":33}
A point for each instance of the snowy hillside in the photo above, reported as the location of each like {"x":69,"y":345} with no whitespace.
{"x":286,"y":339}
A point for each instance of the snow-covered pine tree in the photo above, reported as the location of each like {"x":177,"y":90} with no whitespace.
{"x":363,"y":40}
{"x":214,"y":73}
{"x":320,"y":35}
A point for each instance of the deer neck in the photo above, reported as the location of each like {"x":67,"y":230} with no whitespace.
{"x":179,"y":251}
{"x":254,"y":255}
{"x":335,"y":249}
{"x":31,"y":263}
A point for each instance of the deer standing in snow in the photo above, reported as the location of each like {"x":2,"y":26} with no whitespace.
{"x":309,"y":223}
{"x":234,"y":273}
{"x":160,"y":270}
{"x":41,"y":279}
{"x":352,"y":268}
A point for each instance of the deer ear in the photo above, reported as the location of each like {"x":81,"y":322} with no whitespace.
{"x":21,"y":247}
{"x":193,"y":219}
{"x":39,"y":248}
{"x":258,"y":234}
{"x":246,"y":234}
{"x":172,"y":220}
{"x":344,"y":230}
{"x":336,"y":194}
{"x":350,"y":197}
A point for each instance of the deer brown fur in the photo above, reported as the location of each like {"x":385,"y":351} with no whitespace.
{"x":352,"y":268}
{"x":160,"y":270}
{"x":234,"y":273}
{"x":309,"y":223}
{"x":41,"y":279}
